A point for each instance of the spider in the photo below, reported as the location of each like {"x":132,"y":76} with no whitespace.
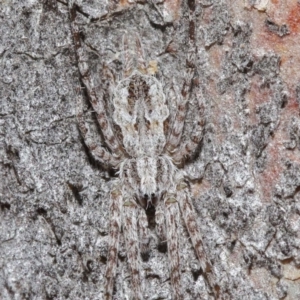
{"x":144,"y":145}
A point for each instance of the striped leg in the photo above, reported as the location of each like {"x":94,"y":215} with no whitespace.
{"x":174,"y":137}
{"x":128,"y":63}
{"x":132,"y":247}
{"x":187,"y":149}
{"x":189,"y":216}
{"x":96,"y":101}
{"x":99,"y":153}
{"x":113,"y":241}
{"x":141,"y":64}
{"x":171,"y":213}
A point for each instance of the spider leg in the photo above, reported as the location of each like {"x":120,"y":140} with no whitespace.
{"x":179,"y":154}
{"x":174,"y":137}
{"x":114,"y":234}
{"x":189,"y":216}
{"x":128,"y":63}
{"x":177,"y":128}
{"x":97,"y":102}
{"x":98,"y":152}
{"x":171,"y":213}
{"x":131,"y":62}
{"x":132,"y":246}
{"x":141,"y":64}
{"x":187,"y":149}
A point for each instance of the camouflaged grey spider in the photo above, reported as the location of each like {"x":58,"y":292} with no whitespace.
{"x":148,"y":156}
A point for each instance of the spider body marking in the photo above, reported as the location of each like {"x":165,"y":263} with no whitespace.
{"x":140,"y":111}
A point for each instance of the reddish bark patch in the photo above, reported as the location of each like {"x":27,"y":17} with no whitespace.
{"x":173,"y":7}
{"x":123,"y":2}
{"x":293,"y":19}
{"x":292,"y":105}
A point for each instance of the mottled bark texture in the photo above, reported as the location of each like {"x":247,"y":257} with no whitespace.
{"x":54,"y":200}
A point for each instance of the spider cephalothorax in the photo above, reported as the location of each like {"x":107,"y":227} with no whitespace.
{"x":144,"y":144}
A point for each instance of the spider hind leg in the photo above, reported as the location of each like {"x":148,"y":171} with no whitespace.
{"x":172,"y":219}
{"x":113,"y":242}
{"x":132,"y":246}
{"x":189,"y":216}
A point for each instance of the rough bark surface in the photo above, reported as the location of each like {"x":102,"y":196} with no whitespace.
{"x":246,"y":178}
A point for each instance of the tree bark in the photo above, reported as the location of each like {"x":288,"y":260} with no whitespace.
{"x":245,"y":178}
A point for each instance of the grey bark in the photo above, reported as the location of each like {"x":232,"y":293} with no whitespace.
{"x":54,"y":197}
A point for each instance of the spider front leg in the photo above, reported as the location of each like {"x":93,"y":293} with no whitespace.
{"x":180,"y":153}
{"x":181,"y":98}
{"x":98,"y":152}
{"x":174,"y":137}
{"x":187,"y":149}
{"x":97,"y":101}
{"x":131,"y":62}
{"x":189,"y":216}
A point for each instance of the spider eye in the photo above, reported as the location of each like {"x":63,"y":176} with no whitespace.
{"x":146,"y":196}
{"x":152,"y":195}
